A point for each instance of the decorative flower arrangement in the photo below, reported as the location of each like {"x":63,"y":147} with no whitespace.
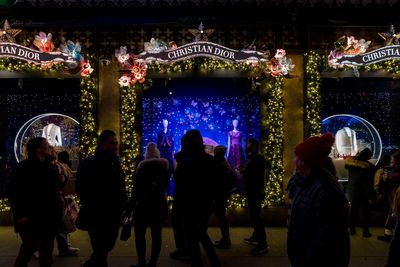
{"x":122,"y":55}
{"x":346,"y":45}
{"x":86,"y":69}
{"x":44,"y":42}
{"x":280,"y":65}
{"x":134,"y":70}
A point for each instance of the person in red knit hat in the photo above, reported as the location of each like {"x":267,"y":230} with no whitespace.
{"x":317,"y":234}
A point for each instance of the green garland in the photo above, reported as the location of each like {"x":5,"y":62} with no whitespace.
{"x":88,"y":106}
{"x":273,"y":150}
{"x":273,"y":104}
{"x":129,"y":137}
{"x":312,"y":94}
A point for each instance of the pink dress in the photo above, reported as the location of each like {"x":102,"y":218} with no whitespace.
{"x":236,"y":153}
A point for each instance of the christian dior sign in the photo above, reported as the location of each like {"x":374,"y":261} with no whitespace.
{"x":381,"y":54}
{"x":11,"y":50}
{"x":202,"y":49}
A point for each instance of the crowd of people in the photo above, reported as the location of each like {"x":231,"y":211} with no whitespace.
{"x":43,"y":189}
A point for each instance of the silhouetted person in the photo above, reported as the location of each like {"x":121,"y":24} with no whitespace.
{"x":389,"y":184}
{"x":317,"y":233}
{"x":36,"y":203}
{"x":394,"y":255}
{"x":225,"y":183}
{"x":62,"y":237}
{"x":254,"y":187}
{"x":361,"y":189}
{"x":195,"y":195}
{"x":100,"y":187}
{"x":149,"y":203}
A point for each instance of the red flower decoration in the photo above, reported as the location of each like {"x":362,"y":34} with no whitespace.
{"x":139,"y":71}
{"x":274,"y":67}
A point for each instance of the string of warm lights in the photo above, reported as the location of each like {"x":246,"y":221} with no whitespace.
{"x":129,"y":136}
{"x":313,"y":94}
{"x":272,"y":122}
{"x":390,"y":66}
{"x":88,"y":106}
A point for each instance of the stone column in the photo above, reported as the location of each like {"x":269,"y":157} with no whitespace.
{"x":293,"y":91}
{"x":109,"y":98}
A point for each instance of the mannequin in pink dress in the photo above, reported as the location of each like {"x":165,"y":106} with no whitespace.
{"x":235,"y":150}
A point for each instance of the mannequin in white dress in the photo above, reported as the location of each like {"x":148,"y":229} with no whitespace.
{"x":52,"y":133}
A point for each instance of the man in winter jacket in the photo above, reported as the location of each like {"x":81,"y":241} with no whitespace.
{"x":361,"y":188}
{"x":36,"y":203}
{"x":254,"y":187}
{"x":100,"y":187}
{"x":317,"y":234}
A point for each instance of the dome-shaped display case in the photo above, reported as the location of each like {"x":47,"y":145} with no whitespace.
{"x":61,"y":131}
{"x":352,"y":134}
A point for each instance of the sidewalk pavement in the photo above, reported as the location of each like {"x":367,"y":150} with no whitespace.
{"x":365,"y":252}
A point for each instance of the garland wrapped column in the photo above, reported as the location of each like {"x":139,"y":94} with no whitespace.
{"x":88,"y":105}
{"x":129,"y":135}
{"x":312,"y":94}
{"x":272,"y":149}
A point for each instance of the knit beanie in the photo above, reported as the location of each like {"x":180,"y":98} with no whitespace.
{"x":152,"y":151}
{"x":314,"y":150}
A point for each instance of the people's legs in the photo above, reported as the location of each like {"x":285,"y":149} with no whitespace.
{"x":28,"y":247}
{"x":156,"y":237}
{"x":394,"y":255}
{"x":365,"y":215}
{"x":192,"y":242}
{"x":102,"y":240}
{"x":259,"y":234}
{"x":46,"y":246}
{"x":62,"y":242}
{"x":353,"y":217}
{"x":220,"y":213}
{"x":179,"y":231}
{"x":140,"y":239}
{"x":207,"y":244}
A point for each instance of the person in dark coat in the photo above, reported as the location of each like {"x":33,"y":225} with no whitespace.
{"x":100,"y":187}
{"x":361,"y":189}
{"x":149,"y":203}
{"x":36,"y":203}
{"x":390,"y":181}
{"x":195,"y":196}
{"x":225,"y":183}
{"x":254,"y":187}
{"x":317,"y":223}
{"x":393,"y":259}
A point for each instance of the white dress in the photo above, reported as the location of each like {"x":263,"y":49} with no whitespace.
{"x":52,"y":133}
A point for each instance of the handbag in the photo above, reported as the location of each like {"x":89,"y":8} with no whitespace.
{"x":126,"y":230}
